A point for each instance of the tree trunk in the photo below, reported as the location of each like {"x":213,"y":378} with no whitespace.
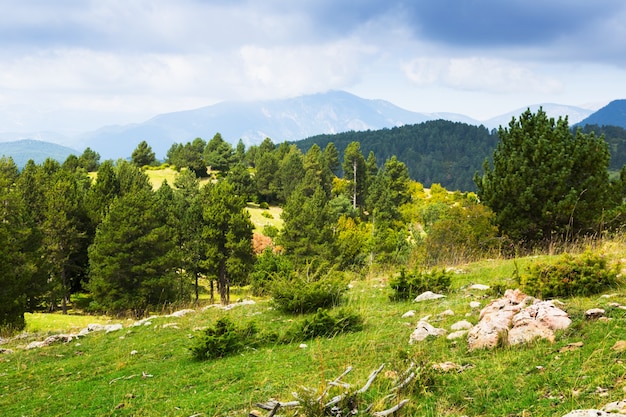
{"x":223,"y":285}
{"x":212,"y":292}
{"x":196,"y":288}
{"x":354,"y":184}
{"x":64,"y":296}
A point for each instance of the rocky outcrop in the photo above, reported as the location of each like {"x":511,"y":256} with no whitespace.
{"x":515,"y":319}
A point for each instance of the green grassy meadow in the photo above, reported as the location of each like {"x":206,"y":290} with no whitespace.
{"x":148,"y":371}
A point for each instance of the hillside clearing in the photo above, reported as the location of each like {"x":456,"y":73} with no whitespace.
{"x":147,"y":370}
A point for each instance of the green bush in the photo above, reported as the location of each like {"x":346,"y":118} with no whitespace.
{"x":267,"y":215}
{"x":409,"y":285}
{"x":569,"y":275}
{"x":264,"y":205}
{"x":268,"y":268}
{"x":224,"y":339}
{"x":303,"y":294}
{"x":325,"y":324}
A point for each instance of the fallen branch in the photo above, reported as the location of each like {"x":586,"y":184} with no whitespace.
{"x":392,"y":409}
{"x":123,"y":377}
{"x":371,"y":379}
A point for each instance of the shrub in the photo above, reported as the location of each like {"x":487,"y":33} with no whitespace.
{"x":268,"y":268}
{"x":325,"y":324}
{"x":408,"y":285}
{"x":569,"y":275}
{"x":224,"y":339}
{"x":304,"y":294}
{"x":267,"y":215}
{"x":264,"y":205}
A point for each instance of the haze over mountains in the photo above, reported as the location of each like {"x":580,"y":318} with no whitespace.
{"x":281,"y":120}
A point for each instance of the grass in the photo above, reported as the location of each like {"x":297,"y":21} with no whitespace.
{"x":99,"y":375}
{"x":263,"y":217}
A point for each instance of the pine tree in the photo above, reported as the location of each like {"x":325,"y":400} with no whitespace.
{"x":15,"y":264}
{"x":143,"y":155}
{"x":545,"y":181}
{"x":227,"y":231}
{"x":132,"y":259}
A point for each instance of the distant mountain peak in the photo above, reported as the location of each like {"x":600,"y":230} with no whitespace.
{"x":613,"y":114}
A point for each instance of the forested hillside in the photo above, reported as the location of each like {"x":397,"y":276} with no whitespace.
{"x":439,"y":151}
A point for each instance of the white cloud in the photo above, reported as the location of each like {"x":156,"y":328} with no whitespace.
{"x":479,"y":74}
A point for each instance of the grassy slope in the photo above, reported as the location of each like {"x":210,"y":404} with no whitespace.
{"x":99,"y":376}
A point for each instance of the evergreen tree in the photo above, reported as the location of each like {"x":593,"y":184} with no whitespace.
{"x":308,"y":228}
{"x":545,"y":180}
{"x":355,"y":171}
{"x":331,"y":158}
{"x":228,"y":234}
{"x":243,"y":183}
{"x":290,"y":172}
{"x":64,"y":233}
{"x":190,"y":156}
{"x":16,"y":266}
{"x":89,"y":160}
{"x":265,"y":176}
{"x":219,"y":154}
{"x":143,"y":155}
{"x":189,"y":211}
{"x":131,"y":178}
{"x":132,"y":259}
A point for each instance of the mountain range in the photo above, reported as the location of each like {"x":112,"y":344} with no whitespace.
{"x":285,"y":120}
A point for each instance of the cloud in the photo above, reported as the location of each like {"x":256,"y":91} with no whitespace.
{"x":479,"y":74}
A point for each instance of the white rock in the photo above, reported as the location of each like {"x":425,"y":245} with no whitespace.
{"x":428,"y":295}
{"x":592,"y":413}
{"x":423,"y":330}
{"x":409,"y":313}
{"x":594,"y":313}
{"x":302,"y":346}
{"x":181,"y":313}
{"x":457,"y":335}
{"x":133,"y":352}
{"x":446,"y":313}
{"x":481,"y":287}
{"x":113,"y":327}
{"x":474,"y":304}
{"x":461,"y":325}
{"x":615,"y":407}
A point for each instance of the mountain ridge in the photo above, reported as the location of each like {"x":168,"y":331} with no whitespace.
{"x":281,"y":120}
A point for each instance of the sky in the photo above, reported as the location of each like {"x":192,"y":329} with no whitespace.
{"x":75,"y":65}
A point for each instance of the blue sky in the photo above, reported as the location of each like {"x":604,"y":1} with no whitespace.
{"x":75,"y":65}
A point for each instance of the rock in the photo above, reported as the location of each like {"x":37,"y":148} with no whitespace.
{"x":615,"y":407}
{"x":181,"y":313}
{"x":113,"y":327}
{"x":428,"y":295}
{"x":481,"y":287}
{"x":172,"y":325}
{"x":509,"y":318}
{"x":447,"y":366}
{"x":529,"y":332}
{"x":446,"y":313}
{"x":302,"y":346}
{"x":461,"y":325}
{"x":65,"y":338}
{"x":4,"y":351}
{"x":594,"y":313}
{"x":143,"y":321}
{"x":409,"y":313}
{"x":474,"y":304}
{"x":457,"y":335}
{"x":592,"y":413}
{"x":133,"y":352}
{"x":571,"y":347}
{"x":619,"y":346}
{"x":423,"y":330}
